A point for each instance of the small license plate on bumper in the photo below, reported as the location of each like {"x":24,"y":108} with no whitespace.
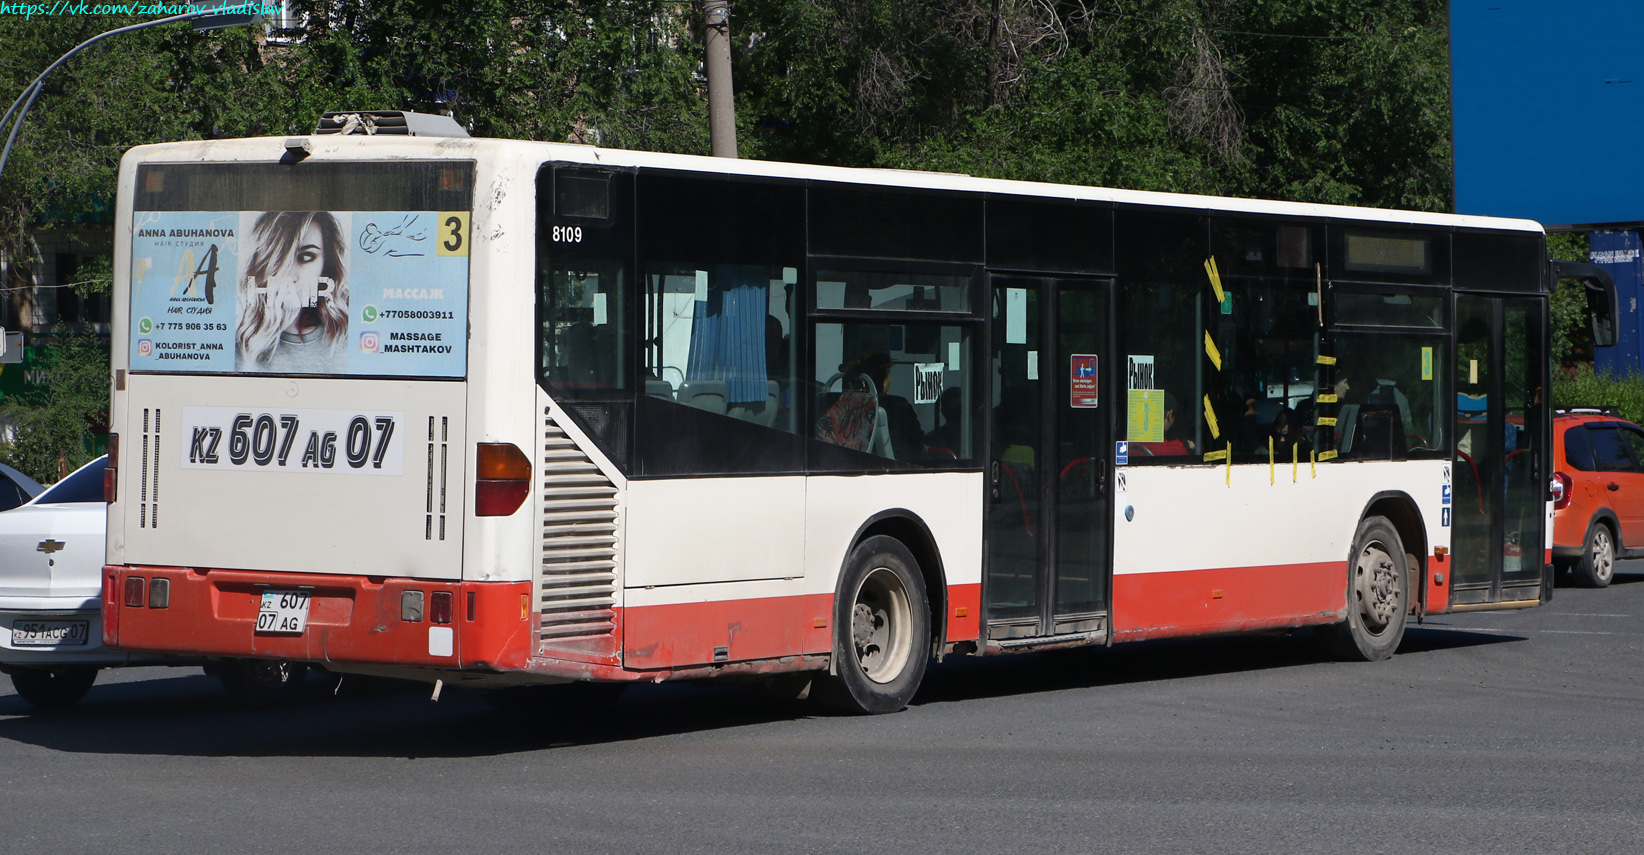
{"x":283,"y":612}
{"x":50,"y":633}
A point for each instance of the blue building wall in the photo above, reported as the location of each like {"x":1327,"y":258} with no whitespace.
{"x":1618,"y":251}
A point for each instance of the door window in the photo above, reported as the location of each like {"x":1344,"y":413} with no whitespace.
{"x":1609,"y":449}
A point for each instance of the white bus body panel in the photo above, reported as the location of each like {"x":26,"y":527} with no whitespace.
{"x":258,"y":518}
{"x":1192,"y":518}
{"x":697,"y":530}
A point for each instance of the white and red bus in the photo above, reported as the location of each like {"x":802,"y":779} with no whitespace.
{"x":495,"y":412}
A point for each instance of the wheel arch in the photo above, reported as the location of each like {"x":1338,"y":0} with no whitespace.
{"x":1402,"y":512}
{"x":1606,"y":517}
{"x":907,"y":527}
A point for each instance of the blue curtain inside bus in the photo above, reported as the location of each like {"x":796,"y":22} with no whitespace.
{"x":728,"y":332}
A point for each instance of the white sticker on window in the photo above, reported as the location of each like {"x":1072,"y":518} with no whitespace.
{"x":790,"y":275}
{"x":1015,"y":316}
{"x":953,"y":356}
{"x":927,"y":382}
{"x":1139,"y":372}
{"x":1033,"y":365}
{"x":702,"y":286}
{"x":600,"y":317}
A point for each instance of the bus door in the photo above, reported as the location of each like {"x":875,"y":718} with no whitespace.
{"x":1050,"y":466}
{"x":1499,"y":472}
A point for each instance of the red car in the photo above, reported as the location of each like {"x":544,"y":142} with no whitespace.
{"x":1598,"y":492}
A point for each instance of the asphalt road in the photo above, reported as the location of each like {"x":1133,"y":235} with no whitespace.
{"x":1489,"y":733}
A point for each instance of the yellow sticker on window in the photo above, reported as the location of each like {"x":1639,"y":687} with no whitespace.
{"x":1145,"y":422}
{"x":1426,"y":363}
{"x":1327,"y":455}
{"x":1327,"y":398}
{"x":1214,"y":455}
{"x":1327,"y":421}
{"x":1215,"y":278}
{"x":1327,"y":360}
{"x":1210,"y":418}
{"x":451,"y":233}
{"x":1211,"y":351}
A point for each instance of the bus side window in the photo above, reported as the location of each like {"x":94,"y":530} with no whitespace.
{"x":1164,"y":301}
{"x":718,"y":384}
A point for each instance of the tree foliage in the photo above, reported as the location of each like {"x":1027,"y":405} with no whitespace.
{"x":49,"y":423}
{"x":1334,"y":101}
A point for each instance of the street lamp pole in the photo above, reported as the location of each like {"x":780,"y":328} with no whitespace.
{"x":32,"y":91}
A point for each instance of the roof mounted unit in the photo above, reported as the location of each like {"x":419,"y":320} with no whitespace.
{"x":389,"y":122}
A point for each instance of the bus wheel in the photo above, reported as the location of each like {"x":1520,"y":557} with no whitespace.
{"x":51,"y":688}
{"x":262,"y":682}
{"x":1596,"y":566}
{"x":881,"y":631}
{"x":1377,"y":595}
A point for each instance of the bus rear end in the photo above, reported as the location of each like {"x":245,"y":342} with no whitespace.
{"x":291,"y":371}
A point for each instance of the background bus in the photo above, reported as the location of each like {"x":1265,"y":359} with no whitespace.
{"x":504,"y":412}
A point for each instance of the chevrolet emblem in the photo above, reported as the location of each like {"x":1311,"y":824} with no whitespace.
{"x":49,"y":546}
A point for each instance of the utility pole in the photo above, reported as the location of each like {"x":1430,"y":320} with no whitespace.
{"x":721,"y":100}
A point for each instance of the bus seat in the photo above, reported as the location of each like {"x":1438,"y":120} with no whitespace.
{"x":659,"y":389}
{"x":764,"y":415}
{"x":710,"y":395}
{"x":1376,"y":433}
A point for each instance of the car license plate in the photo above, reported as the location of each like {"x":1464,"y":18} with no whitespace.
{"x":49,"y":633}
{"x":283,"y":612}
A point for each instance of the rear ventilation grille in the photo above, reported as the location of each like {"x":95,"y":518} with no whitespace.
{"x":148,"y":494}
{"x":579,"y":542}
{"x":439,"y":464}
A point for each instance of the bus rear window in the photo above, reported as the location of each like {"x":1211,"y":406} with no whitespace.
{"x":329,"y":269}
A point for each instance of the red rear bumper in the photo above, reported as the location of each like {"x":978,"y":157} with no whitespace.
{"x":351,"y":619}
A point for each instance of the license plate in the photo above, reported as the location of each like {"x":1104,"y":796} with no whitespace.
{"x":284,"y":612}
{"x":49,"y":633}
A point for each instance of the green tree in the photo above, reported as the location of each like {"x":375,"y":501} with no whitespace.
{"x":50,"y":422}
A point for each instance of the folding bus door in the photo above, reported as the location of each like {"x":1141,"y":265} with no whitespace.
{"x":1049,"y":522}
{"x":1500,"y":474}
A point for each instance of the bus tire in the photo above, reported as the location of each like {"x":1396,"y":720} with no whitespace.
{"x":54,"y":688}
{"x":881,"y":631}
{"x":1596,"y":566}
{"x":1378,"y":595}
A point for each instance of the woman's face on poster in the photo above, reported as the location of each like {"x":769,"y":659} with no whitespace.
{"x":305,"y":265}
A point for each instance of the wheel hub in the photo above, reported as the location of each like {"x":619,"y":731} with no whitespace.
{"x":1376,"y":585}
{"x":880,"y":626}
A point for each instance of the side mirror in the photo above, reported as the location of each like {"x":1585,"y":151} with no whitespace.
{"x":1602,"y":303}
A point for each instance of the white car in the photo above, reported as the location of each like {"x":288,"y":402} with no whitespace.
{"x":51,"y":585}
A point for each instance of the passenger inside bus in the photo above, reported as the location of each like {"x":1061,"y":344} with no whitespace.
{"x":1175,"y":443}
{"x":949,"y":435}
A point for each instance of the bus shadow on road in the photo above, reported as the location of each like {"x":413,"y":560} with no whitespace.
{"x":1156,"y":661}
{"x":187,"y":715}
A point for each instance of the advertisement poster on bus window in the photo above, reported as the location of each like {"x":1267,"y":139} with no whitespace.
{"x":332,"y":293}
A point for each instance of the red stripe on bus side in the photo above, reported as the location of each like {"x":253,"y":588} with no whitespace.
{"x":1227,"y":599}
{"x":965,"y":612}
{"x":679,"y":634}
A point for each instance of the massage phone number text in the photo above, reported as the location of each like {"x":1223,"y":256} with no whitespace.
{"x":427,"y":314}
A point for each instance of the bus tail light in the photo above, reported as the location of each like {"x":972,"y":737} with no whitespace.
{"x":504,"y":479}
{"x":134,"y":592}
{"x":1563,"y":489}
{"x":159,"y":593}
{"x":439,"y":607}
{"x":113,"y":463}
